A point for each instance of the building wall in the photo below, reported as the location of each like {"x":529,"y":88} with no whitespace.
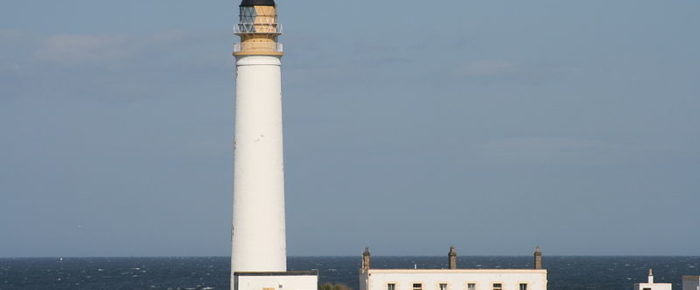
{"x":297,"y":282}
{"x":653,"y":286}
{"x":510,"y":279}
{"x":691,"y":282}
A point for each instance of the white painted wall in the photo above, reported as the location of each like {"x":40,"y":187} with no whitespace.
{"x":259,"y":242}
{"x":653,"y":286}
{"x":378,"y":279}
{"x":691,"y":282}
{"x":284,"y":282}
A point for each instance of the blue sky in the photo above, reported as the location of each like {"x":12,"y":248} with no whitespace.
{"x":494,"y":126}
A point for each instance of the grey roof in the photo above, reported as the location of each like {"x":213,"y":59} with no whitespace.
{"x":258,"y":3}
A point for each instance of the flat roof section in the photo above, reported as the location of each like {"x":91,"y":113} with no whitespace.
{"x":288,"y":273}
{"x":455,"y":270}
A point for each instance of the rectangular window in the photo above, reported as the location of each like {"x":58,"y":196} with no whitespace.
{"x":523,"y":286}
{"x":417,"y":286}
{"x":497,"y":286}
{"x":443,"y":286}
{"x":471,"y":286}
{"x":391,"y":286}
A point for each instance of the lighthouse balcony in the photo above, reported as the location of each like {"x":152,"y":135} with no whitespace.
{"x":257,"y":28}
{"x":258,"y":48}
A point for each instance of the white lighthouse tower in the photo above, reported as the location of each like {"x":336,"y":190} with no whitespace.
{"x":259,"y":242}
{"x":259,"y":259}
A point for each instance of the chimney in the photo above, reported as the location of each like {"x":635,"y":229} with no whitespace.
{"x":366,"y":259}
{"x":452,"y":258}
{"x":651,"y":276}
{"x":538,"y":258}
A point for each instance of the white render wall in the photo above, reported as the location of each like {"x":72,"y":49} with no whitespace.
{"x":283,"y":282}
{"x":259,"y":242}
{"x":457,"y":279}
{"x":691,"y":282}
{"x":653,"y":286}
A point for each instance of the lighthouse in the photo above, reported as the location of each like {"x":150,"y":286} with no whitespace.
{"x":259,"y":254}
{"x":259,"y":242}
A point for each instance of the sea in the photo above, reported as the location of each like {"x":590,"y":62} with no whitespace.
{"x":564,"y":273}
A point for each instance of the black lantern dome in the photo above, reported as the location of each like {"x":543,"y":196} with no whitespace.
{"x":245,"y":3}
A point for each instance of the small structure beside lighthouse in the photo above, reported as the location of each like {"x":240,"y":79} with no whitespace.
{"x":259,"y":256}
{"x":651,"y":284}
{"x":691,"y":282}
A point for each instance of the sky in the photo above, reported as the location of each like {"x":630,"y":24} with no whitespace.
{"x":410,"y":126}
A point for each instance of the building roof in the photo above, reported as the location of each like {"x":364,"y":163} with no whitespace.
{"x":258,"y":3}
{"x":463,"y":271}
{"x":287,"y":273}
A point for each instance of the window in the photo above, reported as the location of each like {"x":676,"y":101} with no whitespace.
{"x":417,"y":286}
{"x":443,"y":286}
{"x":471,"y":286}
{"x":497,"y":286}
{"x":248,"y":14}
{"x":523,"y":286}
{"x":647,"y":288}
{"x":391,"y":286}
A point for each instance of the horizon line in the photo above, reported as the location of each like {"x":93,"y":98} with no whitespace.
{"x":356,"y":256}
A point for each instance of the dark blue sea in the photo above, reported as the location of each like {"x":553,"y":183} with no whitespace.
{"x":212,"y":273}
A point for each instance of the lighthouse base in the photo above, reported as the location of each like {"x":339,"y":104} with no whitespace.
{"x":291,"y":280}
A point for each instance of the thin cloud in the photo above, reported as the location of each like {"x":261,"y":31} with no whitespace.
{"x":81,"y":49}
{"x":487,"y":68}
{"x":6,"y":34}
{"x":557,"y":150}
{"x":123,"y":50}
{"x":114,"y":67}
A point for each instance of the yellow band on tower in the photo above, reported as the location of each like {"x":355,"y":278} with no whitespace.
{"x":258,"y":30}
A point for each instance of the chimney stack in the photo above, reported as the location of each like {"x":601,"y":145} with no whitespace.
{"x":366,"y":259}
{"x":452,"y":258}
{"x":538,"y":258}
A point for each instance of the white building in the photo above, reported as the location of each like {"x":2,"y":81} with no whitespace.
{"x":288,"y":280}
{"x":453,"y":278}
{"x":651,"y":285}
{"x":691,"y":282}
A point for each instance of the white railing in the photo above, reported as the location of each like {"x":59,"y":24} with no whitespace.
{"x":258,"y":47}
{"x":262,"y":28}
